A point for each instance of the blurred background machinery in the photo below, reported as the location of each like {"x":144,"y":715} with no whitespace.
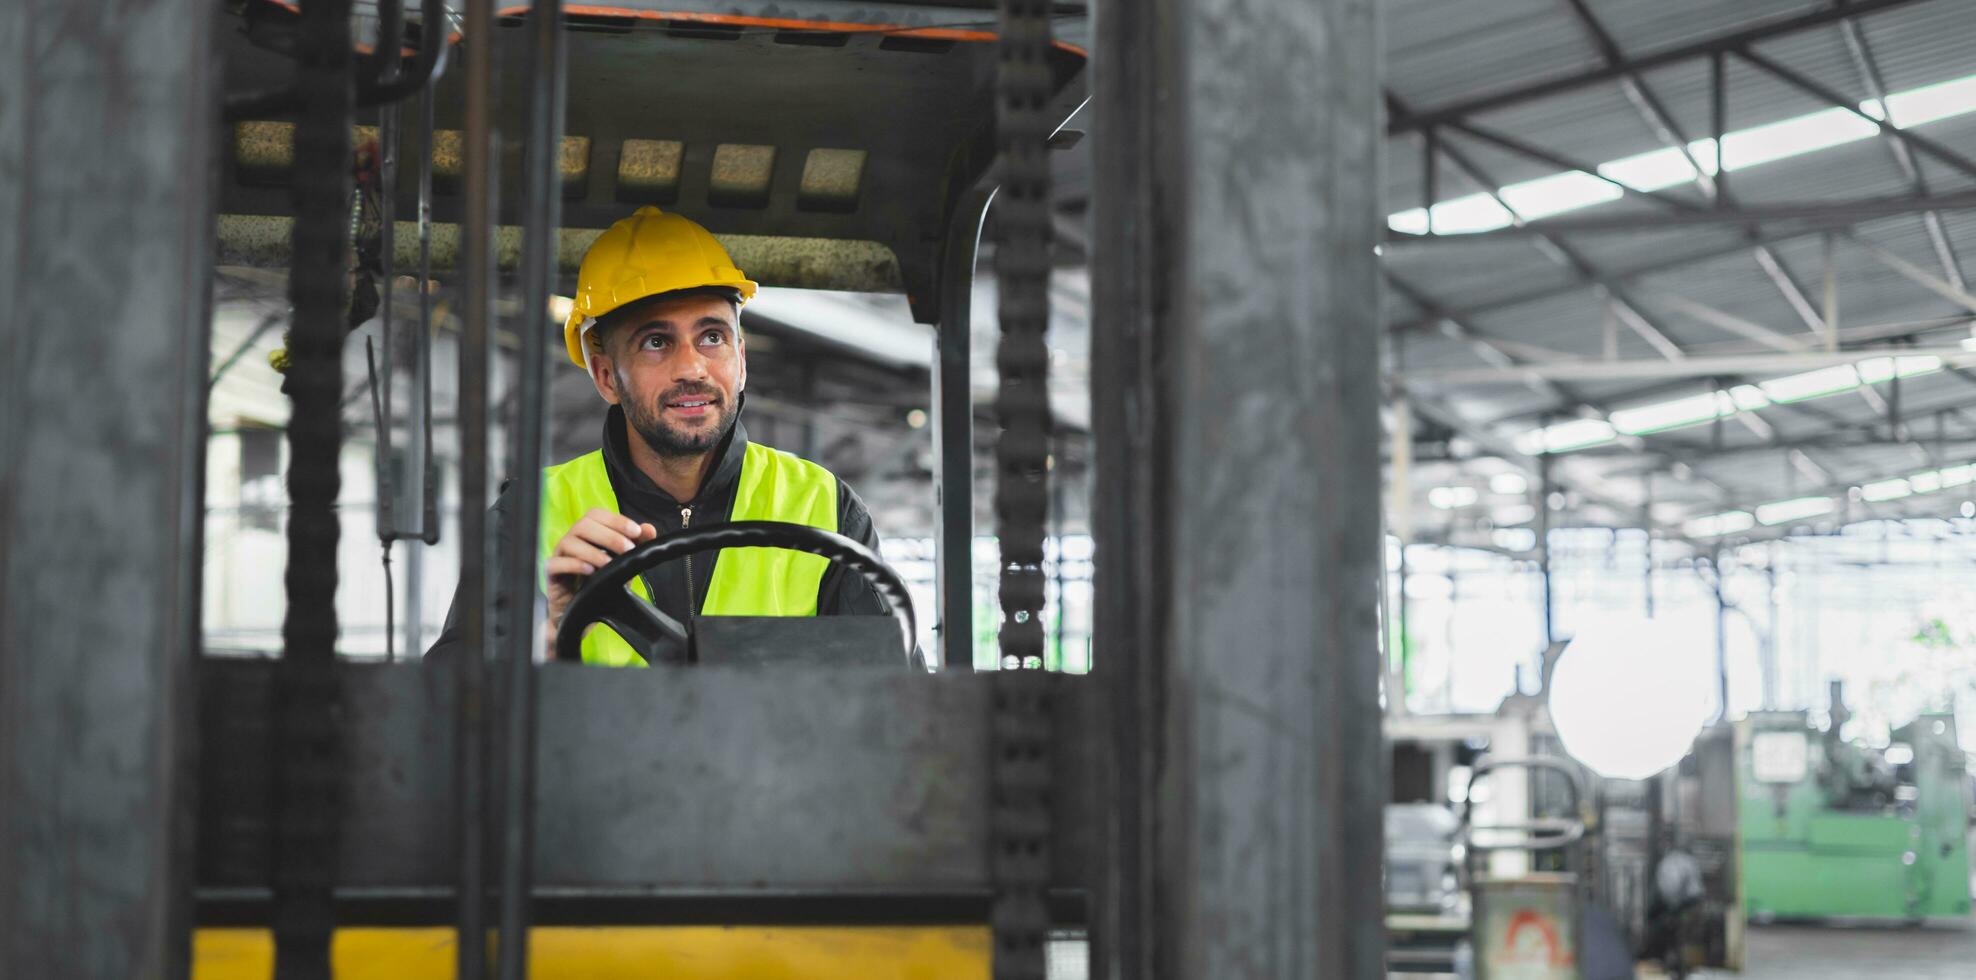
{"x":1831,"y":827}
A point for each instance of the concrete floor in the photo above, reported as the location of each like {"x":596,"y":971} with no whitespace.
{"x":1945,"y":951}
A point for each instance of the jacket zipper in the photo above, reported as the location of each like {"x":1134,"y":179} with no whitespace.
{"x":692,"y":601}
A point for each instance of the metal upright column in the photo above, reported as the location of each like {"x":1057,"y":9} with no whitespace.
{"x":953,"y":437}
{"x":476,"y":553}
{"x":106,"y":156}
{"x":541,"y":217}
{"x":1235,"y":392}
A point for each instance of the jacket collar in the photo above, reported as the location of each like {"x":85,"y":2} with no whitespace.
{"x":646,"y":495}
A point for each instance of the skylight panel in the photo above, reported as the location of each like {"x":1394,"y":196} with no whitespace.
{"x":1808,"y":133}
{"x":1657,"y":169}
{"x":1885,"y":490}
{"x":1667,"y":167}
{"x":1566,"y":436}
{"x":1877,"y":369}
{"x":1908,"y":367}
{"x":1811,"y":384}
{"x":1749,"y":398}
{"x":1785,"y":511}
{"x":1466,"y":215}
{"x":1661,"y":416}
{"x":1716,"y":525}
{"x":1929,"y":103}
{"x":1557,"y":194}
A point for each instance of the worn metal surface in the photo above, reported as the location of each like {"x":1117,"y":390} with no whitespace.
{"x":744,"y":134}
{"x":775,"y":642}
{"x":258,"y":240}
{"x":1234,"y":381}
{"x":734,"y":781}
{"x":107,"y":130}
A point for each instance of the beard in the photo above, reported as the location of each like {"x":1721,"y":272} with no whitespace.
{"x":647,"y":418}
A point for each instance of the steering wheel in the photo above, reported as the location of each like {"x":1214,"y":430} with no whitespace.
{"x":607,"y":598}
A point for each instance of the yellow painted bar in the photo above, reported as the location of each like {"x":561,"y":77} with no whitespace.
{"x":613,"y":952}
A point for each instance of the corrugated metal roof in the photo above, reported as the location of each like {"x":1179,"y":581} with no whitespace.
{"x":1642,"y":28}
{"x":1444,"y":53}
{"x":1438,"y":51}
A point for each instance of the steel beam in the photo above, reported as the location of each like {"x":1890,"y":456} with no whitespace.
{"x":1809,"y":216}
{"x":1554,"y":248}
{"x":1834,"y":98}
{"x":1689,"y":367}
{"x":1614,"y":71}
{"x":1823,"y":489}
{"x":1876,"y":89}
{"x":1617,"y":275}
{"x":1248,"y":772}
{"x":1652,"y":110}
{"x":1741,"y":327}
{"x":1531,"y":151}
{"x":107,"y":133}
{"x":1916,"y":274}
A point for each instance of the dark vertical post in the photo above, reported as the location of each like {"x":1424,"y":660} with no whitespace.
{"x":477,"y":278}
{"x":1238,"y":548}
{"x":1718,"y":101}
{"x":953,"y":438}
{"x":1770,"y":640}
{"x":420,"y":475}
{"x":1430,"y":173}
{"x":1647,"y":526}
{"x":107,"y":132}
{"x":541,"y":217}
{"x":1544,"y":489}
{"x":1404,"y":656}
{"x":1721,"y":635}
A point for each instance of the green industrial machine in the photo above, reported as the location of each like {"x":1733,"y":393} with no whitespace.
{"x":1831,"y":828}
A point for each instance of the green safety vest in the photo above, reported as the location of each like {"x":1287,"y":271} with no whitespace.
{"x":774,"y":486}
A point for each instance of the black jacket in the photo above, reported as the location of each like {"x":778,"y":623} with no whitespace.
{"x":842,"y":593}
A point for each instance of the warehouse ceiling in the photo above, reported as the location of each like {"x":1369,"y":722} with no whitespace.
{"x":1786,"y":345}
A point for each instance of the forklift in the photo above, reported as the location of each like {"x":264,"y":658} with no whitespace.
{"x":808,"y":188}
{"x":1205,"y":803}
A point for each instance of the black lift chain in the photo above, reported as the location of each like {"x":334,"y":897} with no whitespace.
{"x":1021,"y":730}
{"x":306,"y":719}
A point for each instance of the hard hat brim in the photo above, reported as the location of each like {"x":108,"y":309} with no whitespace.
{"x":578,"y":325}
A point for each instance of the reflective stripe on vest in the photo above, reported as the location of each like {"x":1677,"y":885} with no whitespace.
{"x":774,"y":486}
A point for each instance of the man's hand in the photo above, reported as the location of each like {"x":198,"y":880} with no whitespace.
{"x":590,"y":545}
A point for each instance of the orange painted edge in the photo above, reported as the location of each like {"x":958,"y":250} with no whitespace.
{"x":787,"y":23}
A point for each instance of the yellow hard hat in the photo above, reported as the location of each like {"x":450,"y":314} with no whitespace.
{"x":648,"y":253}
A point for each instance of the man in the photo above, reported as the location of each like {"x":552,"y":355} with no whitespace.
{"x":656,"y":322}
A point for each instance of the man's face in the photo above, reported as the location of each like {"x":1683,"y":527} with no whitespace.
{"x":678,"y":367}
